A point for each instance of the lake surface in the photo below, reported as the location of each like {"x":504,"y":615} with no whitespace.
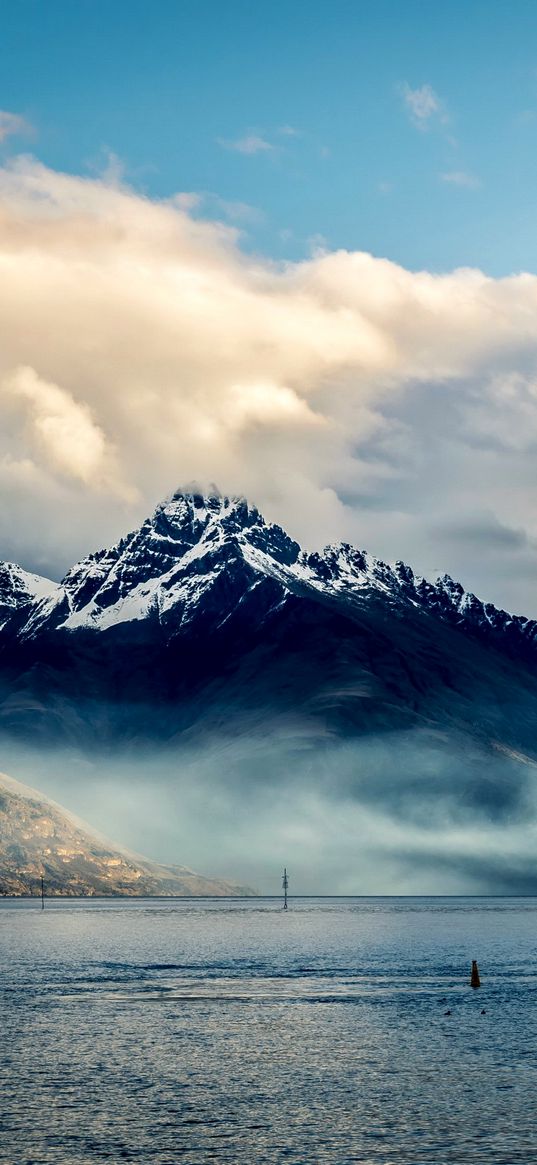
{"x":163,"y":1032}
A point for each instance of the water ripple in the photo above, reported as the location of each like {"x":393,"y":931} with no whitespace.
{"x":194,"y":1032}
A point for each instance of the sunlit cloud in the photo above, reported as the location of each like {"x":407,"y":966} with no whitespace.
{"x":346,"y":396}
{"x":62,"y":432}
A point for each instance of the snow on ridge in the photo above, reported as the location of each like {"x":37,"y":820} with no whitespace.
{"x":20,"y":581}
{"x":172,"y":585}
{"x":159,"y":569}
{"x":132,"y":607}
{"x":21,"y":590}
{"x":38,"y":586}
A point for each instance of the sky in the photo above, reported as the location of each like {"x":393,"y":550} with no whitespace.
{"x":407,"y":130}
{"x":288,"y":249}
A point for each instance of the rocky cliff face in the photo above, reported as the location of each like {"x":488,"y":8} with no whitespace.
{"x":40,"y":839}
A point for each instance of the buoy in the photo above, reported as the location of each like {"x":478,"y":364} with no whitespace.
{"x":447,"y":1013}
{"x":483,"y":1012}
{"x":475,"y":981}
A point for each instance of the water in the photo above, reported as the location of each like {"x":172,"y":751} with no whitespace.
{"x":193,"y":1031}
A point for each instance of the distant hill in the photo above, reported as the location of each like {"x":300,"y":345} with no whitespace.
{"x":39,"y":838}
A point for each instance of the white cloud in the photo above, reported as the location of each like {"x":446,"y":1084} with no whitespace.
{"x":423,"y":105}
{"x":13,"y":125}
{"x":250,"y":144}
{"x":461,"y":178}
{"x":63,"y":432}
{"x":347,"y":396}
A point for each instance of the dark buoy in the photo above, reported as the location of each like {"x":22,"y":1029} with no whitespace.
{"x":483,"y":1012}
{"x":447,"y":1013}
{"x":475,"y":981}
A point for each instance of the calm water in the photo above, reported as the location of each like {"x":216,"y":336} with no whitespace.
{"x":228,"y":1031}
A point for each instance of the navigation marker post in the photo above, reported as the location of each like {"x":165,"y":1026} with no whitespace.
{"x":475,"y":980}
{"x":42,"y":893}
{"x":285,"y":884}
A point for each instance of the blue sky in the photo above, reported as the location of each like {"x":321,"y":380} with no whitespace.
{"x":319,"y":98}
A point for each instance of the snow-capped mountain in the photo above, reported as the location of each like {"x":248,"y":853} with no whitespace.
{"x":19,"y":590}
{"x":209,"y":618}
{"x":196,"y":552}
{"x":169,"y":569}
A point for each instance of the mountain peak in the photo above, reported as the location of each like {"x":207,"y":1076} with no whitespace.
{"x":162,"y":570}
{"x":201,"y":555}
{"x":19,"y":588}
{"x":190,"y":507}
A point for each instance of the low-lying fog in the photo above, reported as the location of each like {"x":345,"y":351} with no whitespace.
{"x":406,"y":813}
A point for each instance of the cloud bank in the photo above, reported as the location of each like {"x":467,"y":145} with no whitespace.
{"x":406,"y":814}
{"x":348,"y":397}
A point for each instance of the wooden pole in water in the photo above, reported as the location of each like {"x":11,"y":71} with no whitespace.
{"x":285,"y":884}
{"x":42,"y":893}
{"x":475,"y":981}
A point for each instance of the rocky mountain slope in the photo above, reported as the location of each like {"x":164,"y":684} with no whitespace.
{"x":40,"y":839}
{"x":19,"y":590}
{"x":209,"y":620}
{"x":188,"y":553}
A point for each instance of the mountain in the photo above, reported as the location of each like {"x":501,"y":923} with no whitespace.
{"x":209,"y":620}
{"x":40,"y":839}
{"x":19,"y":590}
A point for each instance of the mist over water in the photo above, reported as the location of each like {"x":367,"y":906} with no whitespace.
{"x":408,"y":812}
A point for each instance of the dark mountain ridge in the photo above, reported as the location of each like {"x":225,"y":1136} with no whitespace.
{"x":209,"y":619}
